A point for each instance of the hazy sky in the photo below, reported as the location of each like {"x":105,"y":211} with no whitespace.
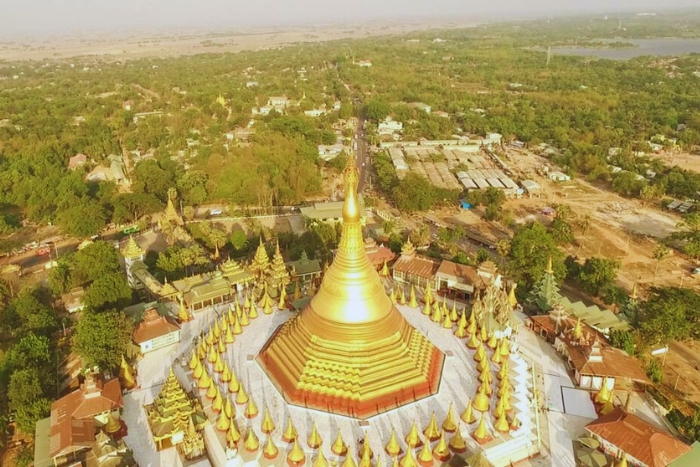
{"x":31,"y":17}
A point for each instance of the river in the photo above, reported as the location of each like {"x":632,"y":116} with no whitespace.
{"x":658,"y":47}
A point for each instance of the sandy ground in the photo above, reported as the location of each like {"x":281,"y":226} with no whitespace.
{"x":681,"y":159}
{"x":119,"y":47}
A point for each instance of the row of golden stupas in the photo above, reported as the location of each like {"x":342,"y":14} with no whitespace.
{"x":351,"y":352}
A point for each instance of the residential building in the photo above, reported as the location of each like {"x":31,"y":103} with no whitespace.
{"x":328,"y":152}
{"x":155,"y":331}
{"x":558,"y":176}
{"x":75,"y":420}
{"x":76,"y":161}
{"x":315,"y":112}
{"x":378,"y":254}
{"x":278,"y":100}
{"x":73,"y":300}
{"x":389,"y":126}
{"x":531,"y":187}
{"x":643,"y":444}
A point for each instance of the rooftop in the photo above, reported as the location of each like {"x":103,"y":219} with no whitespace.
{"x":154,"y":325}
{"x":420,"y":266}
{"x":637,"y":438}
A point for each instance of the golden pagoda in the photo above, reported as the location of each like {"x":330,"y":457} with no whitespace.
{"x":229,"y":408}
{"x":261,"y":262}
{"x":409,"y":459}
{"x":481,"y":400}
{"x":267,"y":426}
{"x":113,"y":425}
{"x":449,"y":424}
{"x":183,"y":314}
{"x":447,"y":322}
{"x":233,"y":436}
{"x":436,"y":316}
{"x":348,"y":462}
{"x":366,"y":458}
{"x":461,"y":331}
{"x":296,"y":456}
{"x":251,"y":442}
{"x":204,"y":380}
{"x":171,"y":412}
{"x":223,"y":423}
{"x":425,"y":456}
{"x":192,"y":442}
{"x":453,"y":314}
{"x":212,"y":389}
{"x":365,"y":450}
{"x":457,"y":443}
{"x":290,"y":432}
{"x":233,"y":385}
{"x":216,"y":329}
{"x":320,"y":460}
{"x":468,"y":414}
{"x":126,"y":374}
{"x":385,"y":270}
{"x":401,"y":297}
{"x":241,"y":396}
{"x":604,"y":395}
{"x":251,"y":410}
{"x":243,"y":320}
{"x":393,"y":448}
{"x":350,"y":351}
{"x":132,"y":250}
{"x":392,"y":295}
{"x":217,"y":405}
{"x":441,"y":451}
{"x":278,"y":275}
{"x":412,"y":302}
{"x":282,"y":303}
{"x":502,"y":423}
{"x":338,"y":447}
{"x":428,"y":294}
{"x":314,"y":441}
{"x":473,"y":341}
{"x":432,"y":432}
{"x":577,"y":332}
{"x":426,"y":309}
{"x":270,"y":451}
{"x":228,"y":337}
{"x":413,"y":437}
{"x":481,"y":434}
{"x":237,"y":328}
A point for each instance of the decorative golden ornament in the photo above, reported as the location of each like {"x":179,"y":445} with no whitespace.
{"x":446,"y":322}
{"x":401,"y":298}
{"x":468,"y":414}
{"x":210,"y":339}
{"x":392,"y":296}
{"x":365,"y":450}
{"x":314,"y":440}
{"x":473,"y":341}
{"x":194,"y":361}
{"x":454,"y":317}
{"x":425,"y":456}
{"x":270,"y":451}
{"x":457,"y":443}
{"x":412,"y":302}
{"x":198,"y":371}
{"x":432,"y":432}
{"x":426,"y":309}
{"x":290,"y":433}
{"x":413,"y":437}
{"x":320,"y":460}
{"x":218,"y":366}
{"x":233,"y":385}
{"x":448,"y":424}
{"x":481,"y":401}
{"x":226,"y":374}
{"x":212,"y":389}
{"x":492,"y":342}
{"x":408,"y":460}
{"x":205,"y":380}
{"x":348,"y":462}
{"x":217,"y":404}
{"x":441,"y":451}
{"x":245,"y":321}
{"x":481,"y":434}
{"x":296,"y":456}
{"x":436,"y":316}
{"x":480,"y":353}
{"x":228,"y":337}
{"x":229,"y":408}
{"x":487,"y":388}
{"x":393,"y":448}
{"x":237,"y":329}
{"x":113,"y":425}
{"x":233,"y":436}
{"x":223,"y":422}
{"x":251,"y":442}
{"x":253,"y":313}
{"x":338,"y":447}
{"x":502,"y":423}
{"x":241,"y":396}
{"x":216,"y":330}
{"x":251,"y":410}
{"x":212,"y":356}
{"x":267,"y":426}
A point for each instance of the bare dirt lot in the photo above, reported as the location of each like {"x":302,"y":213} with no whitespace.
{"x":119,"y":47}
{"x":681,"y":159}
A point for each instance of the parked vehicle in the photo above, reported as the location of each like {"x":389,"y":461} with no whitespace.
{"x":131,"y":230}
{"x":42,"y":251}
{"x":216,"y":212}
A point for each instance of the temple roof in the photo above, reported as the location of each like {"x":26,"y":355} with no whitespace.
{"x":460,"y":273}
{"x":417,"y":265}
{"x":304,"y":265}
{"x":153,"y":326}
{"x":639,"y":439}
{"x":132,"y":250}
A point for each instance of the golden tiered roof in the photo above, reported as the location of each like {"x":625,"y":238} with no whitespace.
{"x":261,"y":261}
{"x":278,"y":274}
{"x":132,"y":250}
{"x":350,"y":351}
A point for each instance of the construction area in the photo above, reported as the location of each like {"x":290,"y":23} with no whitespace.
{"x":475,"y":170}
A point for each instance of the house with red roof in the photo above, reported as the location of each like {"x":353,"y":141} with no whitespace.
{"x":643,"y":444}
{"x":155,"y":331}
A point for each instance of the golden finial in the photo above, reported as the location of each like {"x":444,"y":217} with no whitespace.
{"x":229,"y":408}
{"x":441,"y":451}
{"x":296,"y":456}
{"x":453,"y":313}
{"x":126,"y":375}
{"x":498,"y":411}
{"x":314,"y":441}
{"x":473,"y":341}
{"x":485,"y":372}
{"x":241,"y":396}
{"x":497,"y":358}
{"x":233,"y":385}
{"x":481,"y":400}
{"x":447,"y":322}
{"x":393,"y":448}
{"x":205,"y":380}
{"x":412,"y":302}
{"x":218,"y":403}
{"x":253,"y":312}
{"x":504,"y":370}
{"x":198,"y":370}
{"x":493,"y":341}
{"x":349,"y":461}
{"x":484,"y":335}
{"x":428,"y":295}
{"x":502,"y":423}
{"x":267,"y":426}
{"x":282,"y":304}
{"x":338,"y":447}
{"x":211,"y":390}
{"x":505,"y":347}
{"x":221,"y":346}
{"x":244,"y":321}
{"x":468,"y":414}
{"x":436,"y":317}
{"x":320,"y":460}
{"x":401,"y":298}
{"x":604,"y":395}
{"x":512,"y":300}
{"x":237,"y":329}
{"x":432,"y":432}
{"x":233,"y":436}
{"x":408,"y":460}
{"x":515,"y":423}
{"x":351,"y":208}
{"x":505,"y":399}
{"x":228,"y":338}
{"x":212,"y":356}
{"x":457,"y":443}
{"x":366,"y":456}
{"x":449,"y":424}
{"x":385,"y":270}
{"x":426,"y":309}
{"x":113,"y":425}
{"x":251,"y":410}
{"x":251,"y":441}
{"x":270,"y":451}
{"x":413,"y":437}
{"x":223,"y":422}
{"x":486,"y":388}
{"x":202,"y":350}
{"x":481,"y":434}
{"x":480,"y":353}
{"x":461,"y":331}
{"x":290,"y":433}
{"x":425,"y":456}
{"x":365,"y":450}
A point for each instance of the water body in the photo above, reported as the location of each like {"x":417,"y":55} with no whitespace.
{"x":659,"y":47}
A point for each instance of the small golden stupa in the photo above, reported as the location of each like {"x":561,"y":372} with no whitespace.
{"x":350,"y":351}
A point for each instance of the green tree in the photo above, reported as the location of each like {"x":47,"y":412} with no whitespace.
{"x":530,"y":250}
{"x":59,"y":278}
{"x":26,"y":399}
{"x":94,"y":261}
{"x":598,"y":274}
{"x":82,"y":219}
{"x":29,"y":313}
{"x":102,"y":338}
{"x":193,"y":187}
{"x":623,"y":340}
{"x":130,"y":207}
{"x":669,"y":313}
{"x":108,"y":290}
{"x":238,"y":240}
{"x":562,"y":231}
{"x":376,"y":110}
{"x":655,"y":372}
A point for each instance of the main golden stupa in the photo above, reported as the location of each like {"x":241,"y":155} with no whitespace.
{"x":350,"y":351}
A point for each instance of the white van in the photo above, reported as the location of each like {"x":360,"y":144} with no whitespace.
{"x":215,"y":212}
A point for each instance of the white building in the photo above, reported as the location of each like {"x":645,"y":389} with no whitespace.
{"x":155,"y":331}
{"x":315,"y":112}
{"x":389,"y":126}
{"x":558,"y":176}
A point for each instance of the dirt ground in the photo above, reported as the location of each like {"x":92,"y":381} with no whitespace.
{"x":682,"y":369}
{"x":130,"y":46}
{"x":681,"y":159}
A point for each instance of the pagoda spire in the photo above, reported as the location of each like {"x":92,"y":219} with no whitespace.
{"x":425,"y":456}
{"x":545,"y":294}
{"x":314,"y":441}
{"x":113,"y":425}
{"x":365,"y":451}
{"x":320,"y":460}
{"x":468,"y":414}
{"x":267,"y":426}
{"x":385,"y":270}
{"x":290,"y":432}
{"x":393,"y":448}
{"x":413,"y":437}
{"x":251,"y":442}
{"x":449,"y":424}
{"x":338,"y":447}
{"x":251,"y":410}
{"x":348,"y":326}
{"x":270,"y":450}
{"x":261,"y":262}
{"x":409,"y":459}
{"x":126,"y":374}
{"x":441,"y":451}
{"x":457,"y":443}
{"x":233,"y":436}
{"x":278,"y":274}
{"x":481,"y":434}
{"x":432,"y":432}
{"x":296,"y":456}
{"x":412,"y":302}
